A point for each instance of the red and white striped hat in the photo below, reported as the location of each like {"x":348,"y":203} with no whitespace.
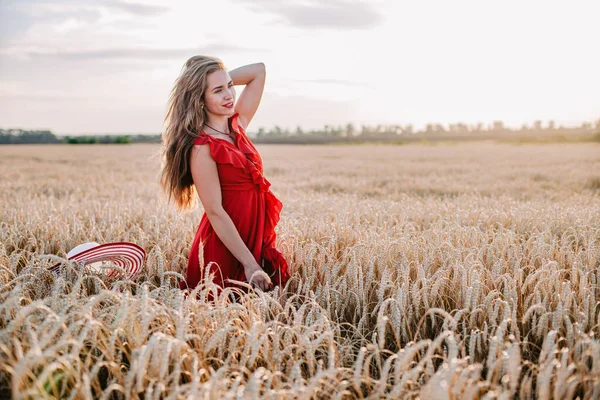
{"x":126,"y":255}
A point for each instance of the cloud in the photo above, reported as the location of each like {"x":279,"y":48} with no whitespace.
{"x":18,"y":17}
{"x":42,"y":98}
{"x":139,"y":9}
{"x":13,"y":22}
{"x":66,"y":8}
{"x":80,"y":30}
{"x":332,"y":14}
{"x":331,"y":82}
{"x":139,"y":53}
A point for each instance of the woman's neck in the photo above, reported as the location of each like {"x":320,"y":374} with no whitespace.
{"x":218,"y":123}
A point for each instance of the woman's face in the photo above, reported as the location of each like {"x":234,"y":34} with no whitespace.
{"x":219,"y":96}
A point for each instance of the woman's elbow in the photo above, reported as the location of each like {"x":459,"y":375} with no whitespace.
{"x":214,"y":211}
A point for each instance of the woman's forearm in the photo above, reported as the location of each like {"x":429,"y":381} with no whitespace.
{"x":227,"y":232}
{"x":247,"y":73}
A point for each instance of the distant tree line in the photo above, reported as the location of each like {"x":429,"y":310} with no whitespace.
{"x":496,"y":128}
{"x":21,"y":136}
{"x":331,"y":133}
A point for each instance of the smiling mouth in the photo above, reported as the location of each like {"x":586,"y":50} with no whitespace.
{"x":229,"y":105}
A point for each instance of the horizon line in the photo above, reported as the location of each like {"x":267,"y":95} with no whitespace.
{"x":447,"y":124}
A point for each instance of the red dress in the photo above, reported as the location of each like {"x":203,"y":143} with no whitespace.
{"x":253,"y":208}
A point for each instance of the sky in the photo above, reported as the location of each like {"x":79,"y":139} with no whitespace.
{"x":107,"y":66}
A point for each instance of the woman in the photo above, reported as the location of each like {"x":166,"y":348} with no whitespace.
{"x":208,"y":152}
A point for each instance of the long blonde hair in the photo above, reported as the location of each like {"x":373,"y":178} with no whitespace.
{"x":184,"y":119}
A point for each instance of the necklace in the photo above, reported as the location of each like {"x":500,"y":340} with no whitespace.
{"x":216,"y":130}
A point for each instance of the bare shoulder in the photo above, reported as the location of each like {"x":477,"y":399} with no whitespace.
{"x":199,"y":149}
{"x":200,"y":154}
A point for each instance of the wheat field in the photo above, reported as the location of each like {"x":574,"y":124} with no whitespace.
{"x":449,"y":271}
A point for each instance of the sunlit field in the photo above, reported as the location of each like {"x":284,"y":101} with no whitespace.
{"x":449,"y":271}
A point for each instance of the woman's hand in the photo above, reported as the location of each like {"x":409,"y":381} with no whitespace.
{"x":257,"y":277}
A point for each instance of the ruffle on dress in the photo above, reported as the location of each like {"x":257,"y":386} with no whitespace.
{"x":248,"y":161}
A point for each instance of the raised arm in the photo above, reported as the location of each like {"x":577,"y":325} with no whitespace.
{"x":253,"y":76}
{"x":206,"y":179}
